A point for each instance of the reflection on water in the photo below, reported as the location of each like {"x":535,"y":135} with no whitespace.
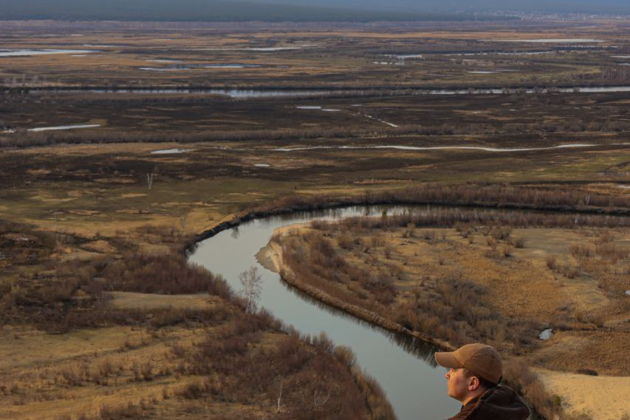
{"x":546,"y":334}
{"x":63,"y":127}
{"x":164,"y":60}
{"x":412,"y":345}
{"x":554,"y":40}
{"x":468,"y":54}
{"x":170,"y":151}
{"x":404,"y":56}
{"x":184,"y":67}
{"x":162,"y":69}
{"x":427,"y":148}
{"x":26,"y":53}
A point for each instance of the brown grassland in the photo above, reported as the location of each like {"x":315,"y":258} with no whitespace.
{"x":101,"y":316}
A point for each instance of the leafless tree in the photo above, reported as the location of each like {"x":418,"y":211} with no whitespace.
{"x":150,"y":178}
{"x":280,"y":396}
{"x":251,"y":281}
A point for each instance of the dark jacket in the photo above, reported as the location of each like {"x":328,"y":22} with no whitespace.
{"x":498,"y":403}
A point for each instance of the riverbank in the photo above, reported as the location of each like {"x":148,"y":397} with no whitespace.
{"x":271,"y":257}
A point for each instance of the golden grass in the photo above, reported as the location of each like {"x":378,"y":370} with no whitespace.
{"x":132,"y":300}
{"x":596,"y":397}
{"x":78,"y":372}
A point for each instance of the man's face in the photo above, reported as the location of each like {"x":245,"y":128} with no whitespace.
{"x":457,"y":383}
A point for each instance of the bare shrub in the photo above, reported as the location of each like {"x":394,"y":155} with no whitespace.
{"x":494,"y":251}
{"x":518,"y":243}
{"x":568,"y":270}
{"x":615,"y":282}
{"x":345,"y":356}
{"x":346,"y":241}
{"x":581,"y":251}
{"x":377,"y":241}
{"x":428,"y":235}
{"x":410,"y":231}
{"x":129,"y":411}
{"x":459,"y":315}
{"x":612,"y":252}
{"x":522,"y":379}
{"x":501,"y":233}
{"x":305,"y":377}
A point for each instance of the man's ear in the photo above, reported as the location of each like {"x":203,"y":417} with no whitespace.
{"x":473,"y":383}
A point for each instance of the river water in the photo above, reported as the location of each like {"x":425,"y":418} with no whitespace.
{"x":404,"y":368}
{"x":306,"y":93}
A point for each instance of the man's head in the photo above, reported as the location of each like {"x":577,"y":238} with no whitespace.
{"x":473,"y":369}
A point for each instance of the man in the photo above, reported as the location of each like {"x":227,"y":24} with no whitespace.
{"x":473,"y":379}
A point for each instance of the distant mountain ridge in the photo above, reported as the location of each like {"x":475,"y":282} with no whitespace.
{"x":204,"y":10}
{"x":293,"y":10}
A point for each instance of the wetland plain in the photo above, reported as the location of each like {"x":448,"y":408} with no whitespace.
{"x":110,"y":173}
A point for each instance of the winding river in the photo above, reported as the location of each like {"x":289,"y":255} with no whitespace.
{"x":403,"y":367}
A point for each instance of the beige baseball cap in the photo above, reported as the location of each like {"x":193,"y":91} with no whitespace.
{"x":481,"y":359}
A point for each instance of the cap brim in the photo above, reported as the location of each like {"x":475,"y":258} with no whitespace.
{"x":447,"y":359}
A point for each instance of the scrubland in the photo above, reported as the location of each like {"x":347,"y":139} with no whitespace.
{"x":109,"y":360}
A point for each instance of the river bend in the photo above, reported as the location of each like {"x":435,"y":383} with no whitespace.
{"x":404,"y":368}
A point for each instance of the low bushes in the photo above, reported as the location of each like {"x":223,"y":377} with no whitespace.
{"x":451,"y":309}
{"x":455,"y":311}
{"x":246,"y":358}
{"x":293,"y":380}
{"x":72,"y":295}
{"x":314,"y":260}
{"x":555,"y":198}
{"x":163,"y":274}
